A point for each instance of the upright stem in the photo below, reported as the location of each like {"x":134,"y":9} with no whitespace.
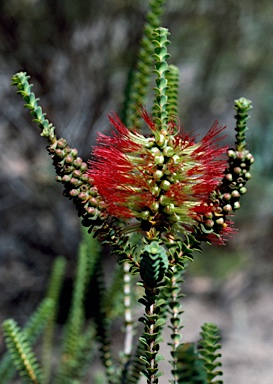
{"x":138,"y":86}
{"x":161,"y":70}
{"x":242,"y":106}
{"x":103,"y":334}
{"x":172,"y":78}
{"x":153,"y":268}
{"x":175,"y":310}
{"x":150,"y":339}
{"x":128,"y":322}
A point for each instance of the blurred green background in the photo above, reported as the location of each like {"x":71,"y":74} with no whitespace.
{"x":78,"y":54}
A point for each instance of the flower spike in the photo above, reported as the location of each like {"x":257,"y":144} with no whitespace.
{"x":165,"y":188}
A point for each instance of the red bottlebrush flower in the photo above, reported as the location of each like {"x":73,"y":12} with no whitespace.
{"x":163,"y":180}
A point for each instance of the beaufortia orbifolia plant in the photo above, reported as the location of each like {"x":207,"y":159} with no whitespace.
{"x":154,"y":193}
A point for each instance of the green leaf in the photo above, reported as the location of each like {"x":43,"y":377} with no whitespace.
{"x":20,"y":351}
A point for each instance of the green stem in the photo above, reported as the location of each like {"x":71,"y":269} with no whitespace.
{"x":128,"y":322}
{"x":161,"y":69}
{"x":153,"y":267}
{"x":32,"y":330}
{"x":175,"y":310}
{"x":139,"y":79}
{"x":54,"y":289}
{"x":151,"y":337}
{"x":102,"y":323}
{"x":172,"y":92}
{"x":242,"y":106}
{"x":20,"y":350}
{"x":24,"y":88}
{"x":209,"y":347}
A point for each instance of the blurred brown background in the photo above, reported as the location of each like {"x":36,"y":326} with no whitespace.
{"x":78,"y":54}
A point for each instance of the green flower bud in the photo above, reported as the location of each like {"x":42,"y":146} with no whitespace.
{"x":85,"y":178}
{"x":74,"y":152}
{"x":61,"y":143}
{"x":229,"y":177}
{"x":66,"y":178}
{"x":101,"y":205}
{"x":66,"y":151}
{"x":227,"y":208}
{"x":74,"y":181}
{"x":77,"y":173}
{"x":93,"y":191}
{"x":155,"y":151}
{"x":59,"y":152}
{"x":155,"y":206}
{"x":155,"y":190}
{"x":73,"y":192}
{"x":250,"y":158}
{"x":240,"y":155}
{"x":84,"y":167}
{"x":169,"y":209}
{"x":227,"y":196}
{"x":159,"y":159}
{"x":83,"y":196}
{"x":168,"y":151}
{"x":158,"y":174}
{"x":160,"y":140}
{"x":91,"y":211}
{"x":175,"y":159}
{"x":237,"y":170}
{"x":243,"y":190}
{"x":247,"y":176}
{"x":165,"y":185}
{"x":235,"y":194}
{"x":93,"y":202}
{"x":236,"y":205}
{"x":231,"y":153}
{"x":78,"y":162}
{"x":220,"y":221}
{"x":209,"y":223}
{"x":69,"y":159}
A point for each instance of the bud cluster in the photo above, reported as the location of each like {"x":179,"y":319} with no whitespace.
{"x":71,"y":171}
{"x":226,"y":198}
{"x":236,"y":176}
